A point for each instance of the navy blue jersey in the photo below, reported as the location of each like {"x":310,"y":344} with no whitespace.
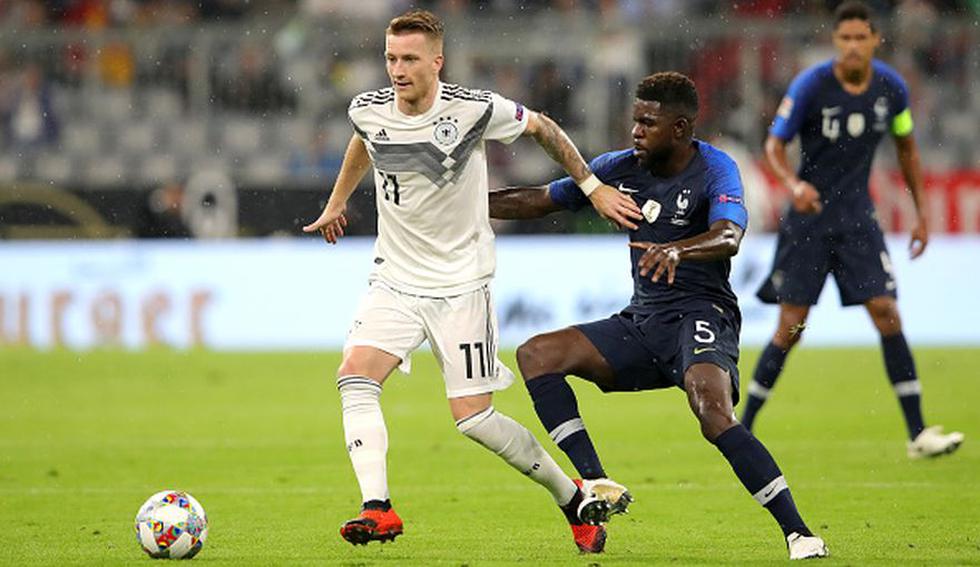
{"x":839,"y":133}
{"x":674,"y":208}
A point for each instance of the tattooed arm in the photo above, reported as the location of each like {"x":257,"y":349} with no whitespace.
{"x":610,"y":203}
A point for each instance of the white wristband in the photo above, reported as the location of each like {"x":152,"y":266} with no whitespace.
{"x":590,"y":184}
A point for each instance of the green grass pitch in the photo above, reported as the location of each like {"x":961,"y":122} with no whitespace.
{"x":85,"y":438}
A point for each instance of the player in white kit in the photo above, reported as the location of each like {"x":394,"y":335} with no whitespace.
{"x":434,"y":259}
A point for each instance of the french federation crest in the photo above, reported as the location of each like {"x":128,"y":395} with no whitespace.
{"x":683,"y":202}
{"x":446,"y":132}
{"x":881,"y":108}
{"x":881,"y":114}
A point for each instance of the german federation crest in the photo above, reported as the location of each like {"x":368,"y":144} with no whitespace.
{"x":446,"y":132}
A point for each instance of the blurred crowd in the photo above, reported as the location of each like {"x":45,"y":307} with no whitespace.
{"x":97,"y":14}
{"x":146,"y":93}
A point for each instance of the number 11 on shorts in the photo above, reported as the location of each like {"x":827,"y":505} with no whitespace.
{"x":480,"y":349}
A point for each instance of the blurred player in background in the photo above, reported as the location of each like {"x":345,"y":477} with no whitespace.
{"x":681,"y":327}
{"x":841,"y":110}
{"x":434,"y":259}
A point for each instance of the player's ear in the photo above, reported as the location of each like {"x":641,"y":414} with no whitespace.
{"x":681,"y":126}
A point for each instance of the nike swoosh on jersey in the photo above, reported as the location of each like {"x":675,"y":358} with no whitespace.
{"x":625,"y":189}
{"x":699,"y":350}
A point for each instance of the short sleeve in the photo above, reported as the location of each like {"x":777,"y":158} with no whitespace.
{"x":352,"y":119}
{"x":792,"y":109}
{"x":726,"y":194}
{"x":507,"y":121}
{"x":567,"y":194}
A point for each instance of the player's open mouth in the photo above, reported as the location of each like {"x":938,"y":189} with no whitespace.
{"x":402,"y":84}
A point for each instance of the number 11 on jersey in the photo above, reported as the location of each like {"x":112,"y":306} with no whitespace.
{"x":390,"y":187}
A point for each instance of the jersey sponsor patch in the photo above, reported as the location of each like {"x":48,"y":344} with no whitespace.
{"x":735,"y":199}
{"x":519,"y":113}
{"x":651,"y":210}
{"x":785,"y":108}
{"x":855,"y":124}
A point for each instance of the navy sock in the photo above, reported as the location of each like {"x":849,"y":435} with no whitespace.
{"x":557,"y":408}
{"x":383,"y":505}
{"x":755,"y":467}
{"x":767,"y":370}
{"x":571,"y":509}
{"x":905,"y":382}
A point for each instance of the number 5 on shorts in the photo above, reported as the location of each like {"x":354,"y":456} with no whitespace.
{"x":703,"y":333}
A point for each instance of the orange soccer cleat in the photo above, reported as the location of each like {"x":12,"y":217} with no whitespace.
{"x":372,"y":525}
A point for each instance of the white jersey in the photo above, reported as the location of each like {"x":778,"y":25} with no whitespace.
{"x":430,"y":171}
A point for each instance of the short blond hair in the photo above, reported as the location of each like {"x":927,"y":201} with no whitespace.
{"x":417,"y":21}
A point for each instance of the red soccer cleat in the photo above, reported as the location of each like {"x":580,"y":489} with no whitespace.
{"x":372,"y":525}
{"x":589,"y":539}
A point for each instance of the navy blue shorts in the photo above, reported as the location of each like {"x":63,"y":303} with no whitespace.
{"x":648,"y":352}
{"x":804,"y":256}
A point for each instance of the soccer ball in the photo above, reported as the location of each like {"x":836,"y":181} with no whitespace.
{"x":171,"y":525}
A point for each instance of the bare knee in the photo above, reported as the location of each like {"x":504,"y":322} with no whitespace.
{"x":715,"y":421}
{"x":709,"y":395}
{"x":884,"y":314}
{"x":541,"y":354}
{"x":347,"y":368}
{"x":792,"y":322}
{"x":369,"y":362}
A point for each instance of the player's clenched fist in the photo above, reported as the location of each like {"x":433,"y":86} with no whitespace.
{"x":806,"y":198}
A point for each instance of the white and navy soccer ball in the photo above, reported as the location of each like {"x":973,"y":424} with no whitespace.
{"x":171,"y":525}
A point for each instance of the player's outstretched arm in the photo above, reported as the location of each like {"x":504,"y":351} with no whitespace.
{"x":720,"y":241}
{"x":332,"y":220}
{"x":521,"y":203}
{"x":908,"y":159}
{"x":610,"y":203}
{"x":806,"y":198}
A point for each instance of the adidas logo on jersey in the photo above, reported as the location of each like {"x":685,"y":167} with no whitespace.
{"x":381,"y":136}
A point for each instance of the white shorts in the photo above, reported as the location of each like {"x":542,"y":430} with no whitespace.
{"x":462,"y":331}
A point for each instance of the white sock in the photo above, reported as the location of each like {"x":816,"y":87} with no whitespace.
{"x":515,"y":444}
{"x":365,"y":434}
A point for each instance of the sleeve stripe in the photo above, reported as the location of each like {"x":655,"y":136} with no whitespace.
{"x":902,"y":123}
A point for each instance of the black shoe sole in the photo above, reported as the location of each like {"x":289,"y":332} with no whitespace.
{"x":358,"y":533}
{"x":599,"y":511}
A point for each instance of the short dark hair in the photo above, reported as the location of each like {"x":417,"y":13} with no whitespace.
{"x":854,"y":10}
{"x":420,"y":21}
{"x":672,"y":90}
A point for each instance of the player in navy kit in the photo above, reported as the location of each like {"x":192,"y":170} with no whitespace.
{"x":841,"y":109}
{"x":681,"y":327}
